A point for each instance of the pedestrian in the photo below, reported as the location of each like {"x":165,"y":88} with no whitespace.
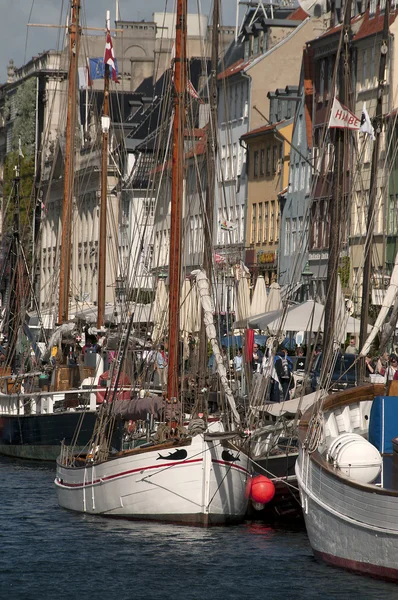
{"x":238,"y":364}
{"x":392,"y":367}
{"x":284,"y":370}
{"x":257,"y":358}
{"x":352,"y":347}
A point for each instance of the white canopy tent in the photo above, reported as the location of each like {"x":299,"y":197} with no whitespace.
{"x":259,"y":298}
{"x":307,"y":316}
{"x":274,"y":301}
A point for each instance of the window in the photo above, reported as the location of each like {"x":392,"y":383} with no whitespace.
{"x":262,"y":162}
{"x":296,"y":177}
{"x":392,"y":214}
{"x":240,"y":161}
{"x":321,"y":81}
{"x":287,"y":237}
{"x":255,"y":163}
{"x":266,"y":221}
{"x":277,"y":215}
{"x":272,"y":222}
{"x":326,"y":94}
{"x":149,"y":207}
{"x":364,"y":69}
{"x":294,"y":239}
{"x":223,"y":155}
{"x":254,"y":224}
{"x":228,"y":164}
{"x":268,"y":166}
{"x":323,"y":224}
{"x":234,"y":165}
{"x":314,"y":224}
{"x":330,"y":93}
{"x":255,"y":45}
{"x":260,"y":223}
{"x":299,"y":129}
{"x":247,"y":49}
{"x":274,"y":159}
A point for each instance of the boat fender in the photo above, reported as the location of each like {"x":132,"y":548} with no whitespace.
{"x":262,"y":489}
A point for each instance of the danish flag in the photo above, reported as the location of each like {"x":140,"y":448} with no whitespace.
{"x":109,"y":56}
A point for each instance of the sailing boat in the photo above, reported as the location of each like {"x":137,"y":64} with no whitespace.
{"x":193,"y":471}
{"x":348,"y":460}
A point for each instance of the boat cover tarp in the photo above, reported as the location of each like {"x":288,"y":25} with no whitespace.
{"x":383,"y":423}
{"x":137,"y":409}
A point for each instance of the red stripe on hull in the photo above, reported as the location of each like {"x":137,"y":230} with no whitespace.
{"x":229,"y":464}
{"x":377,"y":571}
{"x":124,"y":473}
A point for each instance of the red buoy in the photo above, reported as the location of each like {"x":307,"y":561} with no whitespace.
{"x":262,"y":489}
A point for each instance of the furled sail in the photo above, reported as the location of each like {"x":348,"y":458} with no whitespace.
{"x":208,"y":309}
{"x":388,"y":301}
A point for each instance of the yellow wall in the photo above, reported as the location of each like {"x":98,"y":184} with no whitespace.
{"x":263,"y":218}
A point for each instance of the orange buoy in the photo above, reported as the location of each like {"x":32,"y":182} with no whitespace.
{"x":262,"y":489}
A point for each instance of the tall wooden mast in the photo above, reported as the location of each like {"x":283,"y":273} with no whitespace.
{"x":176,"y":197}
{"x":373,"y":189}
{"x":64,"y":277}
{"x":336,"y":203}
{"x":104,"y":195}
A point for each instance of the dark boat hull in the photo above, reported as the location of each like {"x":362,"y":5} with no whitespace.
{"x":39,"y":437}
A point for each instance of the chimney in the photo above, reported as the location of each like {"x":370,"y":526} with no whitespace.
{"x":10,"y":71}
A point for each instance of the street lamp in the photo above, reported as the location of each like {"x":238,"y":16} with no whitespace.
{"x":306,"y":276}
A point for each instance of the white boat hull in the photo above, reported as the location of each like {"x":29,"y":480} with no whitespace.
{"x":350,"y":526}
{"x":203,"y":488}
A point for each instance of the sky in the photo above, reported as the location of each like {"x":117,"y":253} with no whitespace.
{"x":19,"y":42}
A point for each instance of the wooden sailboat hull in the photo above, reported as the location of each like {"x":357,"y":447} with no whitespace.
{"x":200,"y":483}
{"x":349,"y":524}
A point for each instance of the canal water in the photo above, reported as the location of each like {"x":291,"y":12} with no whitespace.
{"x":47,"y":553}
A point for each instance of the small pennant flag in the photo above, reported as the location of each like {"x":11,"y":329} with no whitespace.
{"x":366,"y":124}
{"x":109,"y":56}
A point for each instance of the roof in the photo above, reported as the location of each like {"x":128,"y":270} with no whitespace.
{"x":298,"y":15}
{"x":234,"y":68}
{"x":373,"y":24}
{"x":265,"y":129}
{"x":364,"y":25}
